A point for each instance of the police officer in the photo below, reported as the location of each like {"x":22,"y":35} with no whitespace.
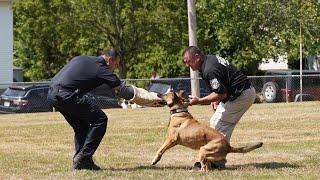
{"x":68,"y":94}
{"x":230,"y":89}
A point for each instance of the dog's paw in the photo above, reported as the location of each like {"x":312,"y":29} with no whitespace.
{"x":156,"y":160}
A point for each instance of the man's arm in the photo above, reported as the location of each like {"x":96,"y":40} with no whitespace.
{"x":213,"y":97}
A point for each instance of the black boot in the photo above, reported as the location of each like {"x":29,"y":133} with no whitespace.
{"x":84,"y":162}
{"x":218,"y":165}
{"x":197,"y":165}
{"x":214,"y":165}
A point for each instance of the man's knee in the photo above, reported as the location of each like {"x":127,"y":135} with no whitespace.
{"x":225,"y":128}
{"x":102,"y":120}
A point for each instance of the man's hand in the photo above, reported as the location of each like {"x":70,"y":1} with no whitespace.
{"x":193,"y":100}
{"x":214,"y":105}
{"x":213,"y":97}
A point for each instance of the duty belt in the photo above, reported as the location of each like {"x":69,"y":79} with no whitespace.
{"x":60,"y":88}
{"x":238,"y":92}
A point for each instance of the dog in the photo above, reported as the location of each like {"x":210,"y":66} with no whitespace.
{"x":184,"y":130}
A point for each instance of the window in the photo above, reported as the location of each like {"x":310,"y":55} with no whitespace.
{"x":14,"y":92}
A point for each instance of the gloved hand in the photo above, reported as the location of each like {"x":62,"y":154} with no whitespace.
{"x":143,"y":97}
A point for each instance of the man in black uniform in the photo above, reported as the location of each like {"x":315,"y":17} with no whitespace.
{"x":230,"y":89}
{"x":68,"y":94}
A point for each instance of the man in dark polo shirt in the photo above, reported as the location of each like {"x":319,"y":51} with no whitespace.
{"x":230,"y":89}
{"x":68,"y":94}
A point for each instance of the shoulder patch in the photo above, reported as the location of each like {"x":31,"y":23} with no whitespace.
{"x":214,"y":83}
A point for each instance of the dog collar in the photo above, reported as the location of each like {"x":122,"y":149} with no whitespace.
{"x":178,"y":110}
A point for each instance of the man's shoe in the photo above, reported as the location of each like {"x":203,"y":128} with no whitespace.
{"x":88,"y":166}
{"x":84,"y":163}
{"x":197,"y":165}
{"x":215,"y":165}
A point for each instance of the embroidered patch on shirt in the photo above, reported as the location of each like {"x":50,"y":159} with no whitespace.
{"x":214,"y":83}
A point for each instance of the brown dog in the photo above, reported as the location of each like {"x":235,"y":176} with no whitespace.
{"x":186,"y":131}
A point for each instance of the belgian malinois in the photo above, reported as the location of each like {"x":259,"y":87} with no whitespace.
{"x":186,"y":131}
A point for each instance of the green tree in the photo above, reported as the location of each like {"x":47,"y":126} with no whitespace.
{"x":42,"y":36}
{"x":304,"y":14}
{"x":245,"y":32}
{"x":116,"y":23}
{"x":152,"y":34}
{"x":149,"y":34}
{"x":167,"y":36}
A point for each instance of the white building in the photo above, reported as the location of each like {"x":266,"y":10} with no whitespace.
{"x":6,"y":43}
{"x":270,"y":64}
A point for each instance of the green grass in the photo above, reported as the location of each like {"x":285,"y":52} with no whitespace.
{"x":40,"y":145}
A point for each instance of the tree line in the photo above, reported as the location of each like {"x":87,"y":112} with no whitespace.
{"x":152,"y":34}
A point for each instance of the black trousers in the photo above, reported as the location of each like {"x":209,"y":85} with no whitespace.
{"x":84,"y":115}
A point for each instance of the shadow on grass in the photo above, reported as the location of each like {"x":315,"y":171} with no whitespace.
{"x":266,"y":165}
{"x":150,"y":168}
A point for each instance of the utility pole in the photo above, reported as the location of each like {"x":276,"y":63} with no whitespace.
{"x":300,"y":63}
{"x":194,"y":75}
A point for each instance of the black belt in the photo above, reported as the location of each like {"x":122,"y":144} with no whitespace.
{"x":246,"y":86}
{"x":59,"y":88}
{"x":238,"y":92}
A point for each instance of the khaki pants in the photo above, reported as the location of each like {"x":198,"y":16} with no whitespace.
{"x":228,"y":114}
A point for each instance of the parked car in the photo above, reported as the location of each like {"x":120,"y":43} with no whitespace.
{"x":105,"y":97}
{"x":25,"y":98}
{"x":33,"y":98}
{"x":284,"y":85}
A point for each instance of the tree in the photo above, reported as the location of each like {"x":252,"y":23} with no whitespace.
{"x":152,"y":34}
{"x":245,"y":32}
{"x":304,"y":14}
{"x":42,"y":37}
{"x":147,"y":33}
{"x":166,"y":39}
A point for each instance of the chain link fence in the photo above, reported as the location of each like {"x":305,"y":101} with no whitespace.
{"x":31,"y":96}
{"x":287,"y":88}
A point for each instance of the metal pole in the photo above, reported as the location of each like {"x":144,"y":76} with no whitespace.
{"x":194,"y":75}
{"x":300,"y":64}
{"x":287,"y":89}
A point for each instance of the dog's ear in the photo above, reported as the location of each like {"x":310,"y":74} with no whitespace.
{"x":181,"y":93}
{"x":163,"y":102}
{"x":169,"y":90}
{"x":176,"y":96}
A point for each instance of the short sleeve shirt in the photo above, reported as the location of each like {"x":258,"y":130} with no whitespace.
{"x":221,"y":76}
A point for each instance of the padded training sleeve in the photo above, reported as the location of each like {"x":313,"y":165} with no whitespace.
{"x":126,"y":92}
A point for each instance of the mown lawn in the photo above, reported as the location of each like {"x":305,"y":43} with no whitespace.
{"x":40,"y":145}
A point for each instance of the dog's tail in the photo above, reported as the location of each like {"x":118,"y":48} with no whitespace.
{"x":246,"y":149}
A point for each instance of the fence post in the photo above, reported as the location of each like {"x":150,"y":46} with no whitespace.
{"x":287,"y":89}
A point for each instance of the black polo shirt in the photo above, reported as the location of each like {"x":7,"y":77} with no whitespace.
{"x":85,"y":73}
{"x":222,"y":77}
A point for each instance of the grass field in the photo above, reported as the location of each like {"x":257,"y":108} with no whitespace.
{"x":40,"y":145}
